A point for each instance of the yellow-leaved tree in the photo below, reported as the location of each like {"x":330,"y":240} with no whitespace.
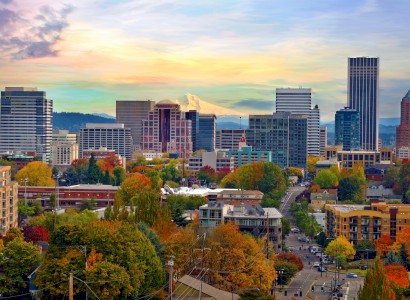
{"x":340,"y":247}
{"x":37,"y":173}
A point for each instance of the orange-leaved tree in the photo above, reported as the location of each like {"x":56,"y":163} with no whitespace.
{"x":397,"y":274}
{"x":383,"y":245}
{"x":131,"y":186}
{"x":403,"y":241}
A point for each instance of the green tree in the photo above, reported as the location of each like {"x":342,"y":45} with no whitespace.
{"x":326,"y":179}
{"x":88,"y":204}
{"x":376,"y":285}
{"x":285,"y":227}
{"x":287,"y":269}
{"x":349,"y":189}
{"x":94,"y":172}
{"x":119,"y":175}
{"x":170,"y":172}
{"x":107,"y":177}
{"x":146,"y":206}
{"x":393,"y":258}
{"x":17,"y":259}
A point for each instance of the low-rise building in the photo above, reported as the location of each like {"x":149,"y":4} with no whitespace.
{"x":238,"y":197}
{"x":366,"y":222}
{"x":319,"y":200}
{"x":9,"y":200}
{"x":379,"y":192}
{"x":376,"y":172}
{"x":253,"y":219}
{"x":367,"y":158}
{"x":326,"y":164}
{"x":70,"y":196}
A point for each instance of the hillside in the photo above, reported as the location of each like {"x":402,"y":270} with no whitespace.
{"x":74,"y":121}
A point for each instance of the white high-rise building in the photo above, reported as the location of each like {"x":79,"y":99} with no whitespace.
{"x":64,"y":148}
{"x":299,"y":101}
{"x":323,"y":140}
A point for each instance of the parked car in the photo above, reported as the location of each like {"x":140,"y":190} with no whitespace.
{"x":363,"y":267}
{"x":316,"y":264}
{"x":351,"y":275}
{"x":321,"y":269}
{"x":295,"y":230}
{"x":303,"y":239}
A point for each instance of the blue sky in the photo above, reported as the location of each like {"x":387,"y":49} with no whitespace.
{"x":233,"y":54}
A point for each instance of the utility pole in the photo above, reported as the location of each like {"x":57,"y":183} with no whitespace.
{"x":171,"y":271}
{"x":267,"y":238}
{"x":70,"y":288}
{"x":83,"y":250}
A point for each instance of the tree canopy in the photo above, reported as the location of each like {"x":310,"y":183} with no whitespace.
{"x":37,"y":173}
{"x":340,"y":247}
{"x":326,"y":179}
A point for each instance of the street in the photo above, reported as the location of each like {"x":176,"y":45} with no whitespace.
{"x":301,"y":285}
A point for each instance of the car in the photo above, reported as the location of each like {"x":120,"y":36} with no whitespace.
{"x":363,"y":267}
{"x":321,"y":269}
{"x":351,"y":275}
{"x":316,"y":264}
{"x":282,"y":200}
{"x":295,"y":230}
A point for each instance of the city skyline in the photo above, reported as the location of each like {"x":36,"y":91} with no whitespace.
{"x":88,"y":54}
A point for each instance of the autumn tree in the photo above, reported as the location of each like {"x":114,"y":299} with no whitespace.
{"x":326,"y":179}
{"x":119,"y":175}
{"x":383,"y":245}
{"x":35,"y":233}
{"x":311,"y":162}
{"x":94,"y":172}
{"x":397,"y":275}
{"x":340,"y":247}
{"x":207,"y":174}
{"x":376,"y":284}
{"x":290,"y":258}
{"x":37,"y":173}
{"x":131,"y":186}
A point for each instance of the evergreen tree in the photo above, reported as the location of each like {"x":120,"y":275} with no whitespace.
{"x":393,"y":258}
{"x":94,"y":172}
{"x":107,"y":178}
{"x":376,"y":285}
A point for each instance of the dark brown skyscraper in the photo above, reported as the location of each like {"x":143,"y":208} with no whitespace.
{"x":403,"y":130}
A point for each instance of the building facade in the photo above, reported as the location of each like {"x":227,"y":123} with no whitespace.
{"x":348,"y":159}
{"x":131,"y":113}
{"x":323,"y":140}
{"x":403,"y":130}
{"x":167,"y":130}
{"x":64,"y":148}
{"x":283,"y":134}
{"x":255,"y":220}
{"x":366,"y":222}
{"x":363,"y":96}
{"x":206,"y":137}
{"x":228,"y":139}
{"x":298,"y":101}
{"x":240,"y":197}
{"x":347,"y":129}
{"x":9,"y":201}
{"x":111,"y":136}
{"x":26,"y":121}
{"x":215,"y":160}
{"x":70,"y":196}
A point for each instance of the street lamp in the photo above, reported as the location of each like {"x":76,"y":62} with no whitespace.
{"x":25,"y":190}
{"x":281,"y":277}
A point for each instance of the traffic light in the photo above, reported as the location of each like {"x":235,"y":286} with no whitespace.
{"x":322,"y":289}
{"x":313,"y":288}
{"x":300,"y":293}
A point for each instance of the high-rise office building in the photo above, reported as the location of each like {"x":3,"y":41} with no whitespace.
{"x":26,"y":121}
{"x":167,"y":130}
{"x":228,"y":138}
{"x":347,"y":129}
{"x":131,"y":113}
{"x":193,"y":115}
{"x":111,"y":136}
{"x":282,"y":133}
{"x":403,"y":130}
{"x":207,"y":132}
{"x":64,"y":148}
{"x":363,"y":96}
{"x":298,"y":101}
{"x":323,"y":140}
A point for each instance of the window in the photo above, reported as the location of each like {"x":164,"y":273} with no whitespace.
{"x":385,"y":220}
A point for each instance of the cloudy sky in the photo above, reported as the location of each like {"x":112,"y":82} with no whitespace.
{"x":87,"y":54}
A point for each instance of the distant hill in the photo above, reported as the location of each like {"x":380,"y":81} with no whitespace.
{"x":230,"y":125}
{"x":74,"y":121}
{"x":104,"y":115}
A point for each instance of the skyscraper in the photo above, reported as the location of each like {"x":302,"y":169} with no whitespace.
{"x":131,"y":113}
{"x":207,"y":132}
{"x":193,"y":115}
{"x":26,"y":121}
{"x":323,"y":140}
{"x":298,"y":101}
{"x":282,"y":133}
{"x":403,"y":130}
{"x":363,"y":96}
{"x":166,"y":130}
{"x":347,"y":129}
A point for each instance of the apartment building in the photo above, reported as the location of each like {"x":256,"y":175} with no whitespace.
{"x":215,"y":160}
{"x":253,"y":219}
{"x":9,"y":200}
{"x":348,"y":159}
{"x":366,"y":222}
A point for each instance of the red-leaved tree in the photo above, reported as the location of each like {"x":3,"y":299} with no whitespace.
{"x":290,"y":258}
{"x":35,"y":233}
